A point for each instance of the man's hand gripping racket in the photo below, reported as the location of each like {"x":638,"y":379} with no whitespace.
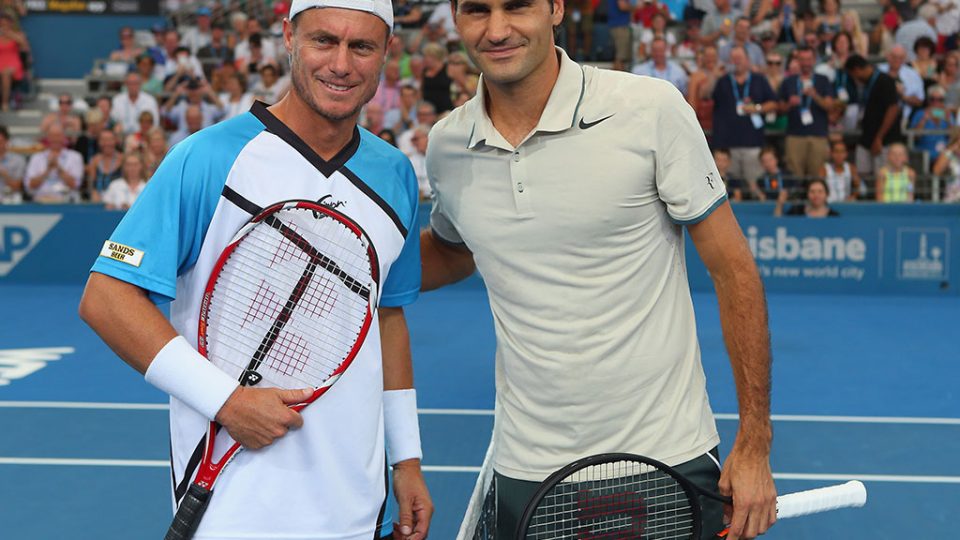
{"x":288,"y":305}
{"x":621,"y":496}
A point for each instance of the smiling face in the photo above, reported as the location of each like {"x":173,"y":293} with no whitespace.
{"x":335,"y":59}
{"x":508,"y":39}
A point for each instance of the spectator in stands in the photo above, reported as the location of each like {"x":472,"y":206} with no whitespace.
{"x":815,"y":206}
{"x":66,"y":116}
{"x":924,"y":61}
{"x":442,"y":16}
{"x":950,"y":80}
{"x":660,"y":67}
{"x":658,"y":29}
{"x":830,"y":21}
{"x":388,"y":91}
{"x":773,"y":183}
{"x":242,"y":52}
{"x":841,"y":177}
{"x":717,"y":27}
{"x":787,"y":26}
{"x":896,"y":180}
{"x":881,"y":38}
{"x":948,"y":23}
{"x":407,"y":14}
{"x":216,"y":53}
{"x":192,"y":123}
{"x":947,"y":166}
{"x":155,"y":150}
{"x":880,"y":114}
{"x":925,"y":25}
{"x":432,"y":33}
{"x":721,"y":157}
{"x":12,"y":169}
{"x":463,"y":77}
{"x":55,"y":174}
{"x":909,"y":82}
{"x":689,"y":47}
{"x":741,"y":38}
{"x":146,"y":67}
{"x":123,"y":191}
{"x":850,"y":23}
{"x":740,"y":102}
{"x":389,"y":136}
{"x":761,"y":14}
{"x":271,"y":86}
{"x":13,"y":43}
{"x":235,"y":99}
{"x":199,"y":36}
{"x":618,"y":23}
{"x":177,"y":62}
{"x":417,"y":70}
{"x":196,"y":92}
{"x":418,"y":158}
{"x":134,"y":142}
{"x":129,"y":51}
{"x":426,"y":117}
{"x":127,"y":106}
{"x":774,"y":69}
{"x":934,"y":117}
{"x":397,"y":52}
{"x":700,"y":85}
{"x":405,"y":116}
{"x":436,"y":82}
{"x":578,"y":21}
{"x":104,"y":167}
{"x":105,"y":105}
{"x":373,"y":117}
{"x":87,"y":143}
{"x":238,"y":25}
{"x":806,"y":98}
{"x":832,"y":66}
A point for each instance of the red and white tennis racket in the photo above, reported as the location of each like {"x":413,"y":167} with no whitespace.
{"x":287,"y":305}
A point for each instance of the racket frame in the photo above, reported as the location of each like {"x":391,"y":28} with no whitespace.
{"x":209,"y":470}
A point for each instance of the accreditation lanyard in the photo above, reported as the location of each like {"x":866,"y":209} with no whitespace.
{"x":736,"y":89}
{"x":805,"y":100}
{"x":869,"y":87}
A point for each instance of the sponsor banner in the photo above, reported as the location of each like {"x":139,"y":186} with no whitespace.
{"x":94,"y":7}
{"x":871,"y":253}
{"x":899,"y":255}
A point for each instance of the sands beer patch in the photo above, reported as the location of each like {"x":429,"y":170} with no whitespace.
{"x":122,"y":253}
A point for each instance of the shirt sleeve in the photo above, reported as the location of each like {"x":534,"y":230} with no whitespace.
{"x":687,"y":178}
{"x":402,"y":286}
{"x":74,"y":166}
{"x":163,"y":227}
{"x":36,"y":166}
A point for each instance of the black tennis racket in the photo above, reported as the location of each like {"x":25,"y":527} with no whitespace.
{"x":626,"y":496}
{"x":287,"y":305}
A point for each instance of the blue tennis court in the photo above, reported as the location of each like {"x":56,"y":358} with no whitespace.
{"x":864,"y":387}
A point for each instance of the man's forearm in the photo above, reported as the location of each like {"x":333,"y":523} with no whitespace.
{"x":743,"y":317}
{"x":442,"y":265}
{"x":888,"y":119}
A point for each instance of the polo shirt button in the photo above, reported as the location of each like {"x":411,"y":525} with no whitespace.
{"x":516,"y":156}
{"x":520,"y":187}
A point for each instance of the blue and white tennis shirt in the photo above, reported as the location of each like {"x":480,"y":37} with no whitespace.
{"x":326,"y":480}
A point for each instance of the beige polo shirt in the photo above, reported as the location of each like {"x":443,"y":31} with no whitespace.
{"x":577,"y":234}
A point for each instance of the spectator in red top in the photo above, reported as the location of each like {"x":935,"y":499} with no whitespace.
{"x":12,"y":43}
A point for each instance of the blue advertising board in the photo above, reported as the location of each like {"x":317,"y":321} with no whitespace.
{"x":871,"y":249}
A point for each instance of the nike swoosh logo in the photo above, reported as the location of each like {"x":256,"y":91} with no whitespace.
{"x":588,"y":125}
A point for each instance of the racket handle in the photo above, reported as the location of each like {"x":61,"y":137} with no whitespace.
{"x":189,"y":514}
{"x":851,"y":494}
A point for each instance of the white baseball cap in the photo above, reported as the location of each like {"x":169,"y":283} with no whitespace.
{"x":380,"y":8}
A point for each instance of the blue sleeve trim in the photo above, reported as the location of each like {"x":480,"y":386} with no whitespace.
{"x":400,"y":299}
{"x":706,"y":213}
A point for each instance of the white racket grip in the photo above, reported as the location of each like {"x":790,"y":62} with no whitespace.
{"x":851,"y":494}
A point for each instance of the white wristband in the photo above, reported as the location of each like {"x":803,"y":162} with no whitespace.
{"x":179,"y":370}
{"x":400,"y":426}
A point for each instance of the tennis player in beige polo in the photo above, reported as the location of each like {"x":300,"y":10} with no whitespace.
{"x":568,"y":188}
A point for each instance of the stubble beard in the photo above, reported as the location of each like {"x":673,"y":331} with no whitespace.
{"x":301,"y":87}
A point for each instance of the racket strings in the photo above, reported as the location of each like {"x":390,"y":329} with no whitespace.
{"x":615,"y":500}
{"x":298,"y":313}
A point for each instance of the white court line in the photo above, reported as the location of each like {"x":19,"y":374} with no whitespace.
{"x":487,"y":412}
{"x":907,"y":479}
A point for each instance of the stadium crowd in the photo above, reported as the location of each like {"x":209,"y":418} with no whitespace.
{"x":853,"y":109}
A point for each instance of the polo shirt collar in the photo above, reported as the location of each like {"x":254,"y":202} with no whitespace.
{"x":559,"y":115}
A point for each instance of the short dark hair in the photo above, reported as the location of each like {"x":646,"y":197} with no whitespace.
{"x":804,"y":48}
{"x":820,"y":181}
{"x":4,"y":132}
{"x":924,"y":41}
{"x":855,"y":62}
